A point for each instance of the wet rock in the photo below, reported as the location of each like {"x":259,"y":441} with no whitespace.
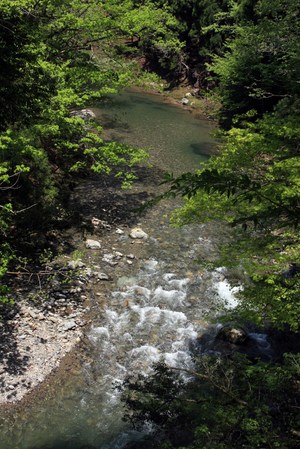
{"x":59,"y":295}
{"x":93,"y":244}
{"x":138,"y":233}
{"x":236,"y":336}
{"x":125,"y":281}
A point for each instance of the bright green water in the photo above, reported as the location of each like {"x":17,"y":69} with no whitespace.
{"x":83,"y":409}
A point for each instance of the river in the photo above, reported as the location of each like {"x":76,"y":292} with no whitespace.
{"x":159,"y":295}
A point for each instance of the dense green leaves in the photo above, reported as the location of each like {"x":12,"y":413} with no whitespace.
{"x":53,"y":62}
{"x":254,"y":183}
{"x":261,"y":65}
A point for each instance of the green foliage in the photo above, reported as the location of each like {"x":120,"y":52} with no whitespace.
{"x":148,"y":30}
{"x":230,"y":403}
{"x":254,"y":184}
{"x":51,"y":66}
{"x":261,"y":65}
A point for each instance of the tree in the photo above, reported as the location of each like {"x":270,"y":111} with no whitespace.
{"x":48,"y":71}
{"x":260,"y":67}
{"x":225,"y":403}
{"x":253,"y":183}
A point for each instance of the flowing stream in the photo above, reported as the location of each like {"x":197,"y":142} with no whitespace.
{"x":154,"y":307}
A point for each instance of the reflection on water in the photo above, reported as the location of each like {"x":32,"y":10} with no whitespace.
{"x":153,"y":309}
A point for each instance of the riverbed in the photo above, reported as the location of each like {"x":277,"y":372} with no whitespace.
{"x":157,"y":296}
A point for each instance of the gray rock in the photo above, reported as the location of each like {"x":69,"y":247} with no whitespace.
{"x":85,"y":114}
{"x":130,"y":256}
{"x":138,"y":233}
{"x":118,"y":255}
{"x":93,"y":244}
{"x":69,"y":325}
{"x":110,"y":259}
{"x":102,"y":276}
{"x":73,"y":264}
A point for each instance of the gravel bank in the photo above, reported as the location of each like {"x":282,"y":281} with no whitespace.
{"x":32,"y":345}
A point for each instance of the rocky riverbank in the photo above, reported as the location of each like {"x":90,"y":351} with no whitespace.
{"x":33,"y":344}
{"x":40,"y":333}
{"x":43,"y":325}
{"x":43,"y":328}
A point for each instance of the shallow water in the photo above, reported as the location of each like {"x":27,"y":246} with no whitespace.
{"x":177,"y":140}
{"x":152,"y":310}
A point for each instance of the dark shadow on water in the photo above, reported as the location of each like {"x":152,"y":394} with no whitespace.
{"x":202,"y":149}
{"x":255,"y":343}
